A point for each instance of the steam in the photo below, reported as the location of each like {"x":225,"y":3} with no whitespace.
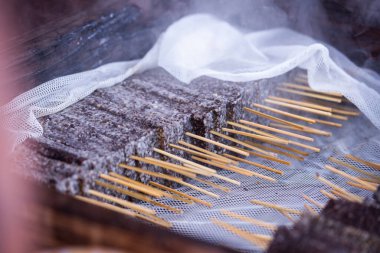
{"x":252,"y":15}
{"x":367,"y":11}
{"x":300,"y":15}
{"x":343,"y":24}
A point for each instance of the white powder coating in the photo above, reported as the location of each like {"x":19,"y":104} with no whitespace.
{"x":200,"y":45}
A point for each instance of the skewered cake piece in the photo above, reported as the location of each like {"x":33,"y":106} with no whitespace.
{"x":360,"y":216}
{"x":147,"y":110}
{"x":318,"y":234}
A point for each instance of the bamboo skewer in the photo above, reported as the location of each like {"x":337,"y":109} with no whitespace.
{"x":328,"y":194}
{"x":301,"y":103}
{"x":328,"y":123}
{"x":211,"y":194}
{"x":254,"y":130}
{"x":107,"y":206}
{"x":166,"y":165}
{"x":267,"y":157}
{"x":339,"y":109}
{"x":345,"y":112}
{"x":214,"y":185}
{"x":332,"y":185}
{"x":178,"y":169}
{"x":225,"y":167}
{"x":192,"y":167}
{"x":369,"y":180}
{"x":255,"y":164}
{"x":307,"y":119}
{"x":310,"y":131}
{"x":335,"y":187}
{"x":369,"y":164}
{"x":298,"y":107}
{"x":277,"y":151}
{"x":256,"y":174}
{"x":310,"y":110}
{"x":255,"y":136}
{"x":146,"y":190}
{"x":150,"y":173}
{"x":343,"y":195}
{"x":302,"y":137}
{"x":218,"y":144}
{"x":196,"y":170}
{"x":335,"y":116}
{"x":309,"y":94}
{"x":217,"y":175}
{"x":117,"y":178}
{"x":122,"y":202}
{"x":301,"y":80}
{"x":277,"y":207}
{"x":312,"y":201}
{"x":259,"y":132}
{"x":348,"y":176}
{"x":267,"y":116}
{"x":138,"y":196}
{"x":307,"y":88}
{"x":217,"y":165}
{"x":288,"y":123}
{"x":200,"y":154}
{"x":258,"y":240}
{"x":271,"y":158}
{"x":184,"y":195}
{"x":310,"y":209}
{"x":263,"y":136}
{"x":200,"y":167}
{"x":226,"y":164}
{"x":165,"y":194}
{"x":294,"y":150}
{"x":284,"y":113}
{"x":186,"y":170}
{"x":337,"y":161}
{"x":239,"y":142}
{"x":317,"y":131}
{"x":154,"y":219}
{"x":296,"y":143}
{"x":177,"y":179}
{"x":171,"y":178}
{"x":357,"y":185}
{"x":205,"y":151}
{"x":250,"y":220}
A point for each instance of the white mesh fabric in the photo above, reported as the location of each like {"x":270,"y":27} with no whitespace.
{"x":298,"y":178}
{"x":203,"y":45}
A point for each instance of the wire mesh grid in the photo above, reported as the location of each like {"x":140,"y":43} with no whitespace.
{"x":357,"y":137}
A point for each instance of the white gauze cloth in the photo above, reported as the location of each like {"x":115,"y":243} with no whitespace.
{"x":200,"y":45}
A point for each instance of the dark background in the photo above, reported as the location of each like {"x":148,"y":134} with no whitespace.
{"x":55,"y":38}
